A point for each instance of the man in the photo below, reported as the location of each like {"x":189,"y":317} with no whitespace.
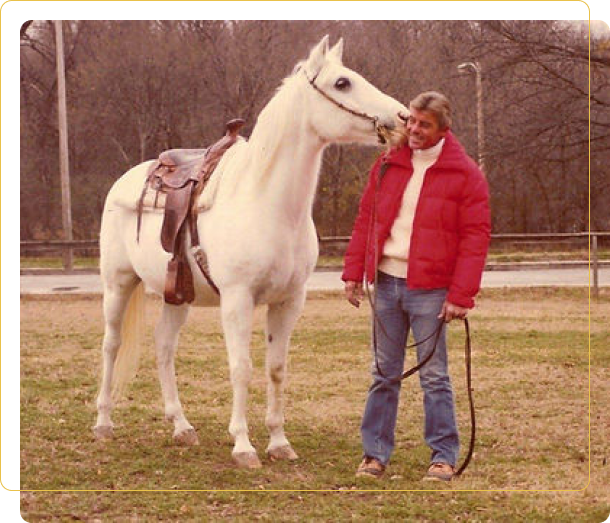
{"x":421,"y":235}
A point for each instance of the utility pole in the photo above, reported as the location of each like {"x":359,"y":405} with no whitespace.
{"x":64,"y":167}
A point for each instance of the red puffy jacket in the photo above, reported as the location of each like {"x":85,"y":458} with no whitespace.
{"x":451,"y":228}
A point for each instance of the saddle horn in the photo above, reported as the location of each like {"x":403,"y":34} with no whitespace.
{"x":233,"y":126}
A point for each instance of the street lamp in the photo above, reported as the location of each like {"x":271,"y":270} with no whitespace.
{"x":476,"y":67}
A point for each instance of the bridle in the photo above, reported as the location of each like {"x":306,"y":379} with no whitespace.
{"x":373,"y":119}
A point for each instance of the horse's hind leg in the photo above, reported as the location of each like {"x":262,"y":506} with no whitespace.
{"x":281,"y":318}
{"x":237,"y":308}
{"x":116,"y":298}
{"x":166,"y":339}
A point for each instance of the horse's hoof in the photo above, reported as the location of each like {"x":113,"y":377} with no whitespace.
{"x":187,"y":438}
{"x":282,"y":453}
{"x":103,"y":432}
{"x":247,"y":460}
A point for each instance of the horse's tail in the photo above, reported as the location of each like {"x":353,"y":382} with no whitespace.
{"x":126,"y":363}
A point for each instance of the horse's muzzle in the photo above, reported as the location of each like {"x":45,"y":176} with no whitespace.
{"x":384,"y":132}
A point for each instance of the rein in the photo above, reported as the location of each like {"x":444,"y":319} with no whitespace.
{"x":373,"y":119}
{"x":372,"y":235}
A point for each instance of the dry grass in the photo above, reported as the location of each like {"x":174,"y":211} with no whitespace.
{"x":531,"y":380}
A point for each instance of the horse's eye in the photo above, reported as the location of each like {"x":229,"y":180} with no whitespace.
{"x":342,"y":84}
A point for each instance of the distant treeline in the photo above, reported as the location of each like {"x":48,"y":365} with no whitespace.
{"x":135,"y":88}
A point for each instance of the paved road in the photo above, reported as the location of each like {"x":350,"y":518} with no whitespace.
{"x":330,"y":280}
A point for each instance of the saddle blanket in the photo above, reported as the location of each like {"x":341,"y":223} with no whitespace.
{"x":154,"y":200}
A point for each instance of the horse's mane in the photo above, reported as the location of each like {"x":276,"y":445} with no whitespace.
{"x":274,"y":124}
{"x":276,"y":120}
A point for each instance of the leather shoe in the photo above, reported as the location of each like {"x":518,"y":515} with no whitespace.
{"x":440,"y":472}
{"x":370,"y":467}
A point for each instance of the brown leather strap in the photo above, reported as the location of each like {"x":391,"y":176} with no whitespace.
{"x":140,"y":205}
{"x":179,"y":287}
{"x":176,"y":212}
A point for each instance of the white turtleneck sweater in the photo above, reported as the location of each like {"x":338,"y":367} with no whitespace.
{"x":396,"y":248}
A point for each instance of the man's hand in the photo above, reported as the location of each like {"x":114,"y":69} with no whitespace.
{"x":451,"y":311}
{"x":354,"y":292}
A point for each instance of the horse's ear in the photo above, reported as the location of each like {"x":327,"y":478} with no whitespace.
{"x":324,"y":43}
{"x":317,"y":56}
{"x":337,"y":51}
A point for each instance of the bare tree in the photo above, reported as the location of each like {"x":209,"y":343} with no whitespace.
{"x":538,"y":111}
{"x":138,"y":87}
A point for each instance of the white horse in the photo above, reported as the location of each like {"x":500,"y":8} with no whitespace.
{"x":258,"y":235}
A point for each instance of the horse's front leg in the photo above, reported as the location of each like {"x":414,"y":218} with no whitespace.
{"x":281,"y":319}
{"x":237,"y":308}
{"x":166,"y":340}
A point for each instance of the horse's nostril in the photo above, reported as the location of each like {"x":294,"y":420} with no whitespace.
{"x":404,"y":117}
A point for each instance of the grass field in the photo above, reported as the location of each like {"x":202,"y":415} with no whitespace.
{"x":534,"y":461}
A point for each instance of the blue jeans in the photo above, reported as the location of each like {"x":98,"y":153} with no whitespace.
{"x":398,"y":310}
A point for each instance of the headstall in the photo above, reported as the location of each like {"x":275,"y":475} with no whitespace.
{"x":373,"y":119}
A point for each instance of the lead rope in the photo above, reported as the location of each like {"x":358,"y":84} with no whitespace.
{"x":468,"y":361}
{"x":372,"y":231}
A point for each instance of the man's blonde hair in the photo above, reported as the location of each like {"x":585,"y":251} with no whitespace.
{"x":435,"y":103}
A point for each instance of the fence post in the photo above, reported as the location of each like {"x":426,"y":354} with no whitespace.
{"x":595,"y":264}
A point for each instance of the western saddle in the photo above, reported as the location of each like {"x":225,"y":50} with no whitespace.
{"x":181,"y":175}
